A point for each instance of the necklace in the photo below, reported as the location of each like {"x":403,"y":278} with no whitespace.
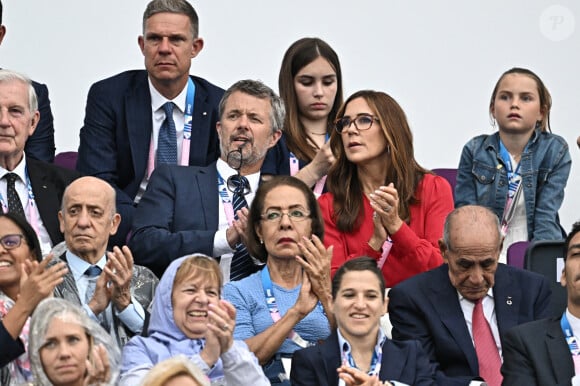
{"x":313,"y":133}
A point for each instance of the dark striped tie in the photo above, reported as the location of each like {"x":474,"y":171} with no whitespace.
{"x":242,"y":264}
{"x":167,"y":139}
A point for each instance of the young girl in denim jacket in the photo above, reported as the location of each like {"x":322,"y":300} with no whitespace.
{"x":520,"y":171}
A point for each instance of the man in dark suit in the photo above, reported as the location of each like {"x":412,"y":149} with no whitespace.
{"x":537,"y":353}
{"x":439,"y":307}
{"x":40,"y":144}
{"x":185,"y":208}
{"x":37,"y":186}
{"x":125,"y":114}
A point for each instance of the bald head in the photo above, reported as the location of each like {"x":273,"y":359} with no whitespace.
{"x":91,"y":186}
{"x":473,"y":219}
{"x":471,"y":246}
{"x":88,"y":217}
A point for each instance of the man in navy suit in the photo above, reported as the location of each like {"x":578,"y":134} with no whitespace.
{"x":39,"y":185}
{"x":537,"y":353}
{"x":185,"y":208}
{"x":436,"y":307}
{"x":125,"y":113}
{"x":40,"y":145}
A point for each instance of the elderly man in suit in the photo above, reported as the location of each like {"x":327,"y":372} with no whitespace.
{"x":461,"y":310}
{"x":200,"y":209}
{"x":28,"y":187}
{"x":546,"y":352}
{"x":139,"y":119}
{"x":40,"y":145}
{"x":111,"y":289}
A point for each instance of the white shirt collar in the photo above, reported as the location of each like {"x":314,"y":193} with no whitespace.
{"x":158,"y":100}
{"x":20,"y":170}
{"x":78,"y":266}
{"x":225,"y":171}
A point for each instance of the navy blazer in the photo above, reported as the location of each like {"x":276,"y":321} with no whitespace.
{"x":178,"y":215}
{"x":426,"y":307}
{"x":403,"y":361}
{"x":40,"y":145}
{"x":115,"y":138}
{"x":536,"y":353}
{"x":11,"y":348}
{"x":48,"y":184}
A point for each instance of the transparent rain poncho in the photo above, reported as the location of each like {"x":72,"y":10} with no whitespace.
{"x":52,"y":308}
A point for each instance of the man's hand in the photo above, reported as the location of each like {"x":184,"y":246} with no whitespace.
{"x":119,"y":272}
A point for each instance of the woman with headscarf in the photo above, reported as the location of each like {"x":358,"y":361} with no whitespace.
{"x":188,"y":318}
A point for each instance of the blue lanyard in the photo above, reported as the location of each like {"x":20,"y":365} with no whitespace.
{"x":223,"y":190}
{"x":514,"y":178}
{"x":273,"y":308}
{"x":31,"y":202}
{"x":188,"y":114}
{"x":569,"y":335}
{"x":505,"y":157}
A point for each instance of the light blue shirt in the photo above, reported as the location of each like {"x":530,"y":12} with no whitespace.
{"x":133,"y":316}
{"x":344,"y":347}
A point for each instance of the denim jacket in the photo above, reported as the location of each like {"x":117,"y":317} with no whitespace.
{"x":544,"y":167}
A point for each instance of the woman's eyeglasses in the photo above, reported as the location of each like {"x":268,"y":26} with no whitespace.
{"x":361,"y":122}
{"x":275,"y":215}
{"x":11,"y":241}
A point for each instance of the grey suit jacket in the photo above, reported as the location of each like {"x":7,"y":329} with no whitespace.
{"x":143,"y":285}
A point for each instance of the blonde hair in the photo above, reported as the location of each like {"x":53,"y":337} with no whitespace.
{"x":168,"y":369}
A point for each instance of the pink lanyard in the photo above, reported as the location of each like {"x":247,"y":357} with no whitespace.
{"x":31,"y":210}
{"x":294,"y":168}
{"x":387,"y":245}
{"x":186,"y":143}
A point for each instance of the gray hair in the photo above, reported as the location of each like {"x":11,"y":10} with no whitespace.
{"x":8,"y":76}
{"x":45,"y":313}
{"x":479,"y":214}
{"x":181,"y":7}
{"x":259,"y":90}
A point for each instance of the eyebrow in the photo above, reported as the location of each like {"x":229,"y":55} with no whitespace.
{"x":290,"y":207}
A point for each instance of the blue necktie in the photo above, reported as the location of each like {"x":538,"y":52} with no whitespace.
{"x":242,"y":264}
{"x":92,"y":273}
{"x":167,"y":140}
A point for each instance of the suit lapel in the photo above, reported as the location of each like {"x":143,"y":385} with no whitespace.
{"x":559,"y":353}
{"x":200,"y":123}
{"x":392,"y":363}
{"x":139,"y":123}
{"x":507,"y":296}
{"x":330,"y":356}
{"x":446,"y":301}
{"x":206,"y":181}
{"x":45,"y":196}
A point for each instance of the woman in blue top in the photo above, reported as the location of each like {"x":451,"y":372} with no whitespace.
{"x":283,"y":307}
{"x":521,"y":170}
{"x":310,"y":83}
